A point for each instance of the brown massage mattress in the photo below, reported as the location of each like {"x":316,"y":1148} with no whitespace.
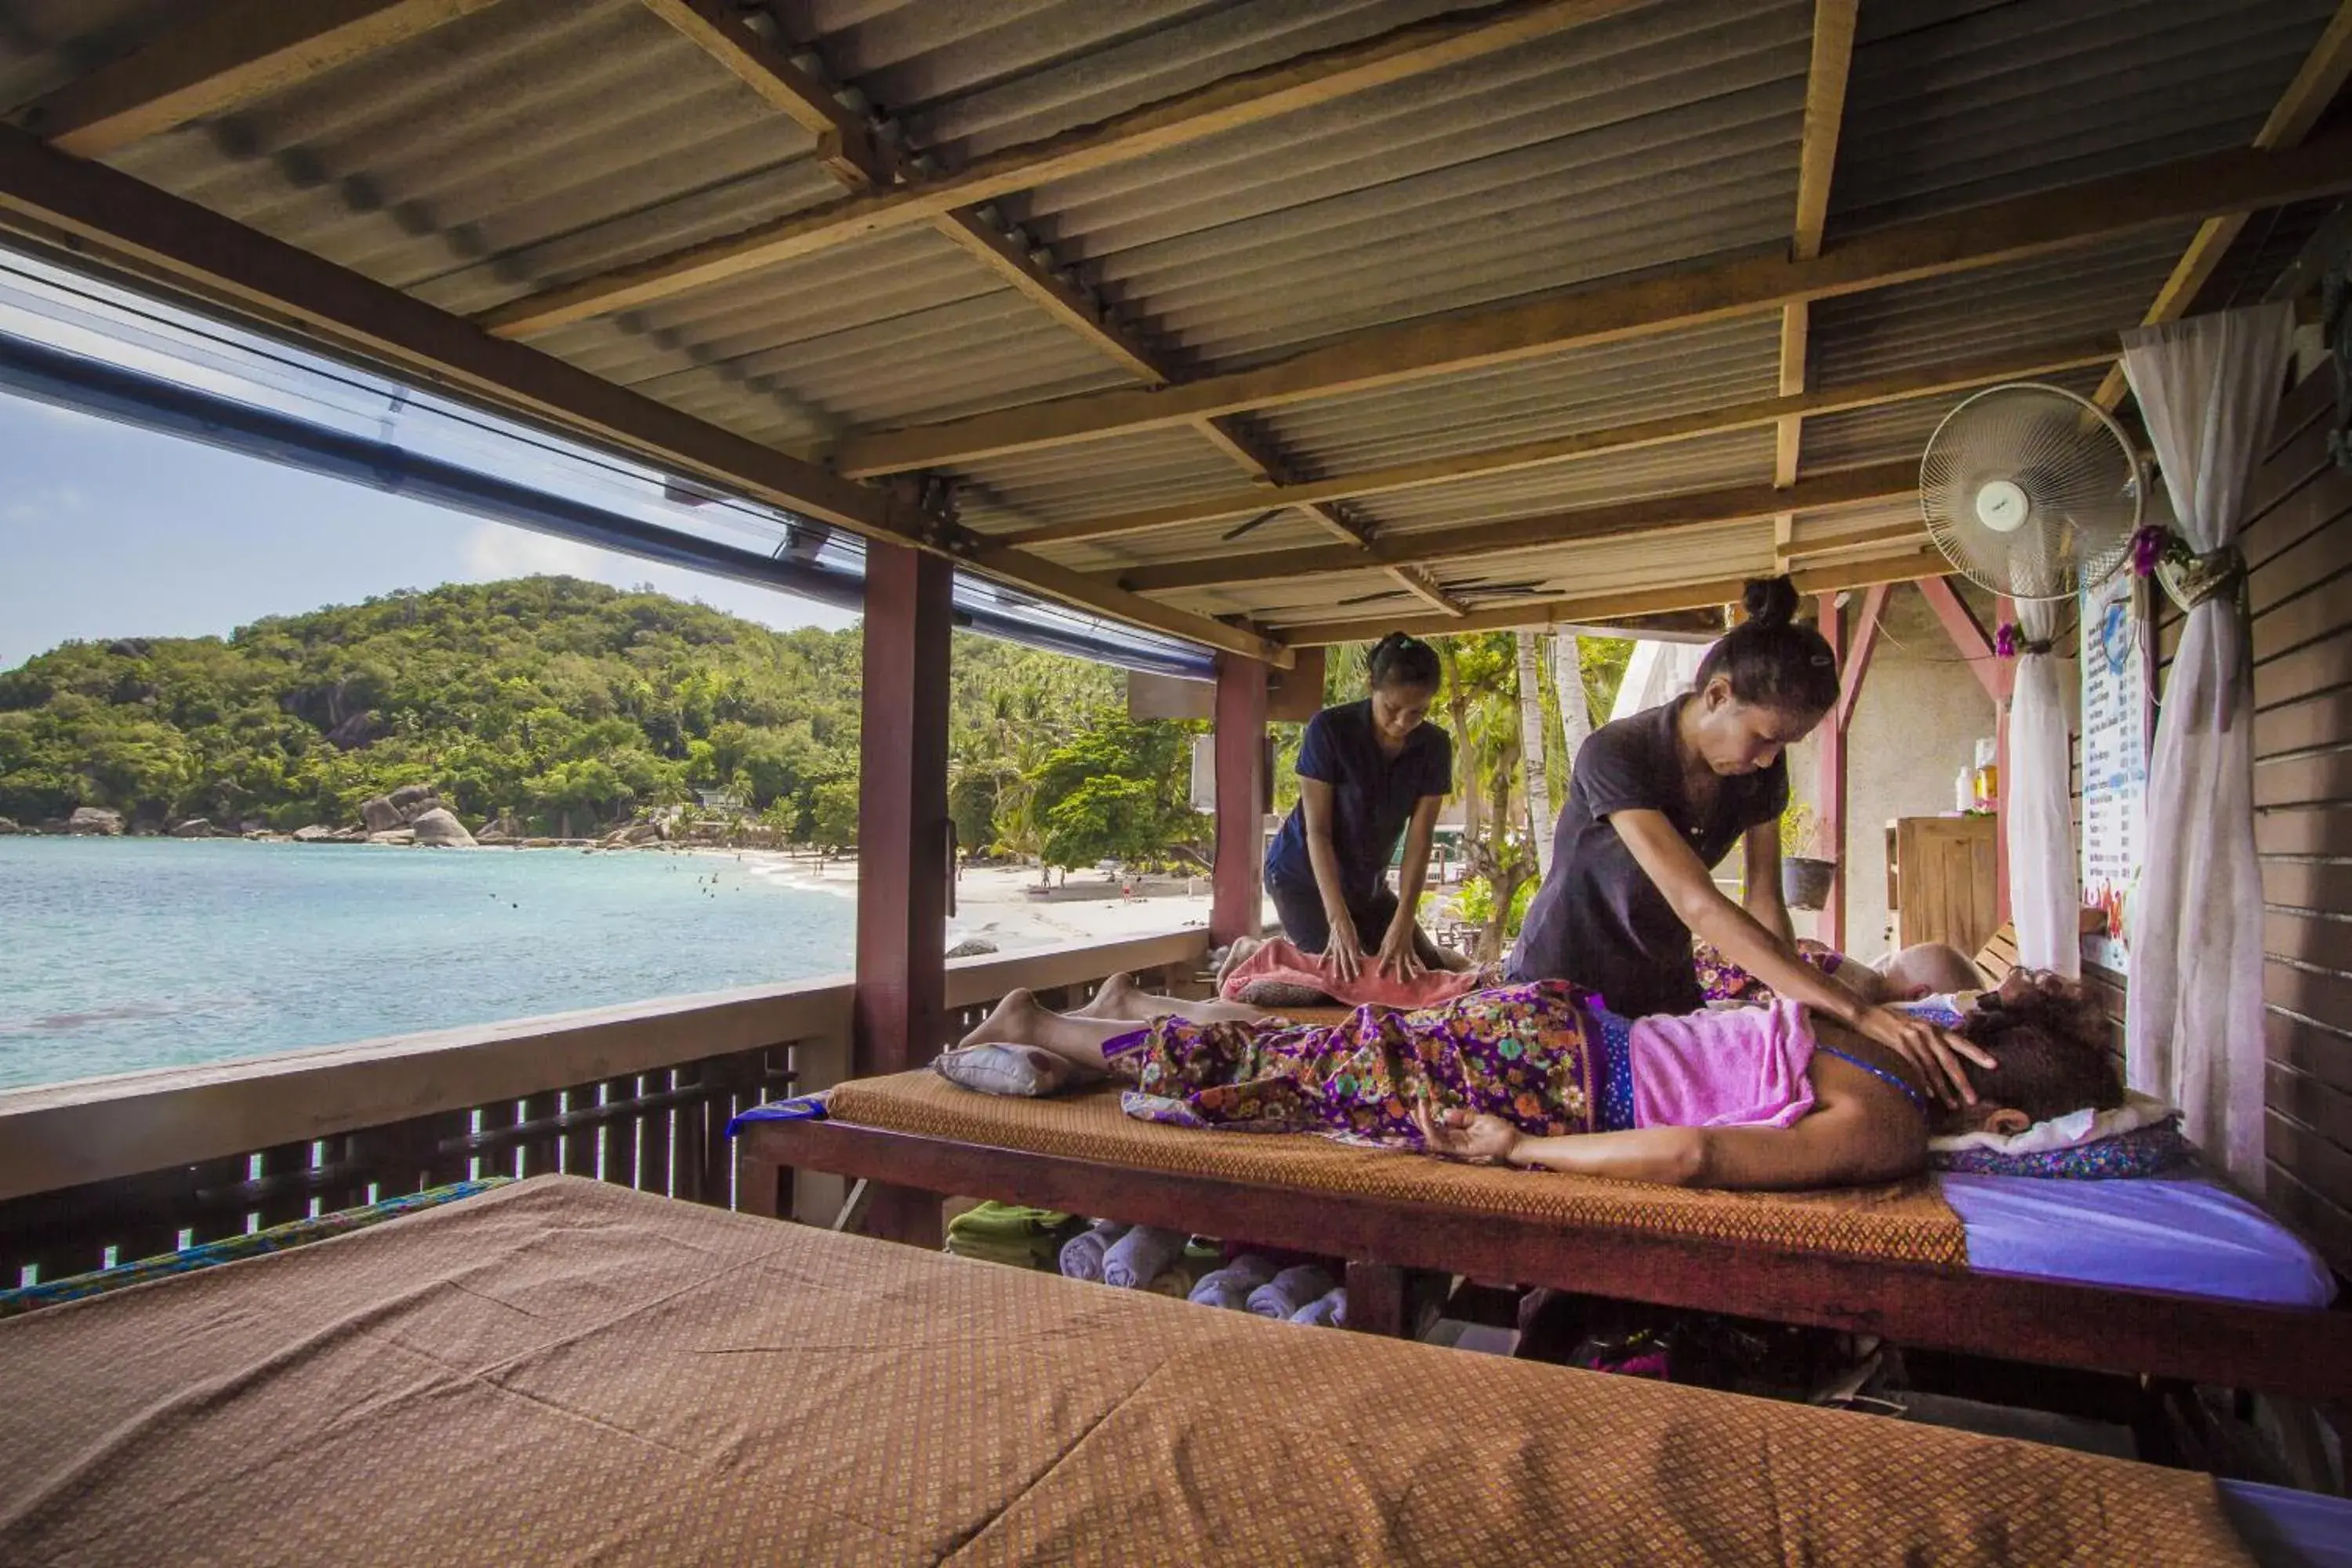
{"x":561,"y":1371}
{"x":1906,"y":1222}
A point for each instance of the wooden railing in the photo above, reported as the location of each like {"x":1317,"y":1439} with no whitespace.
{"x":107,"y":1170}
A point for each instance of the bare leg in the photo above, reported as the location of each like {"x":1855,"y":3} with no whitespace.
{"x":1120,"y":997}
{"x":1018,"y":1020}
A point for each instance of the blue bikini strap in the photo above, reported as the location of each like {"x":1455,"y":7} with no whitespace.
{"x":1912,"y":1095}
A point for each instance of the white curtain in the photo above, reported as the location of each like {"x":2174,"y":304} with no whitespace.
{"x":2207,"y":388}
{"x":2043,"y":895}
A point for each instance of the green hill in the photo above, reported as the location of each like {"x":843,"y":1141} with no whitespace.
{"x":548,"y":697}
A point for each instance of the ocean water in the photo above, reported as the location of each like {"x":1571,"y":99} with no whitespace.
{"x":117,"y":955}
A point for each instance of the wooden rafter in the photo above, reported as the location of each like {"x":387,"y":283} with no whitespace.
{"x":1586,"y":609}
{"x":1384,"y":356}
{"x":1850,"y":487}
{"x":1050,"y":290}
{"x":2292,"y":118}
{"x":1825,"y":85}
{"x":1248,"y":99}
{"x":1923,"y":383}
{"x":845,"y":146}
{"x":1272,"y":471}
{"x":225,"y":56}
{"x":1416,"y":581}
{"x":46,"y":195}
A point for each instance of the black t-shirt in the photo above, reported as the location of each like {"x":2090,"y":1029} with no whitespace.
{"x":1598,"y":919}
{"x":1373,"y":796}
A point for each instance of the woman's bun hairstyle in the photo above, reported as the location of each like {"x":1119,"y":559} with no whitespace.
{"x":1770,"y":601}
{"x":1772,"y":657}
{"x":1398,"y":660}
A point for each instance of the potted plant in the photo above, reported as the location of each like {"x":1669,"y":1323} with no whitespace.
{"x":1806,"y":875}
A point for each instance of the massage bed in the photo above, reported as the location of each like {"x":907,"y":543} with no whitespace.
{"x":2166,"y":1277}
{"x":562,"y":1370}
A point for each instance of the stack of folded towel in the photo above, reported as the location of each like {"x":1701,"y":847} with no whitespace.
{"x":1290,"y":1293}
{"x":1301,"y":1294}
{"x":1009,"y":1233}
{"x":1328,"y":1310}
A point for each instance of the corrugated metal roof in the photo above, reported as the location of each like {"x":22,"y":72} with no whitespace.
{"x":532,"y":144}
{"x":1583,"y":389}
{"x":1704,"y":462}
{"x":2072,"y":297}
{"x":461,"y":149}
{"x":1895,"y":431}
{"x":1639,"y":141}
{"x":1954,"y":102}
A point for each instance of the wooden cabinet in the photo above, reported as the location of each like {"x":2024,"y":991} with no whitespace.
{"x":1943,"y":880}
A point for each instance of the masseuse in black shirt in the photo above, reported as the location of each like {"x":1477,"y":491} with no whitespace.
{"x":1657,"y":799}
{"x":1367,"y":771}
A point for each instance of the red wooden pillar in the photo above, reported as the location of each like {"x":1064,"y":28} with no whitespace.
{"x":1236,"y":905}
{"x":1833,"y":779}
{"x":900,"y":1015}
{"x":1853,"y":664}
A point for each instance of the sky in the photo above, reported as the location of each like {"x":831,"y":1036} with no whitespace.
{"x":107,"y":531}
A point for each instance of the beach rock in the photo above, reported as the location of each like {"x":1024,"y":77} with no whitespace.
{"x":972,"y":947}
{"x":380,"y":815}
{"x":413,"y":801}
{"x":440,"y":828}
{"x":7,"y":827}
{"x":95,"y":819}
{"x":397,"y":835}
{"x":194,"y":827}
{"x":314,"y":834}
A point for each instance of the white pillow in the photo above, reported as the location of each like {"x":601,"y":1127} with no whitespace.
{"x":2067,"y":1131}
{"x":1029,"y":1071}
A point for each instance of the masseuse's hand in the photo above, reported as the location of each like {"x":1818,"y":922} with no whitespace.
{"x":1935,"y":1052}
{"x":1345,"y":953}
{"x":1397,"y":955}
{"x":1457,"y":1134}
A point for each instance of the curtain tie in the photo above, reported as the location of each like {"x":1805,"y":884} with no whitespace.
{"x":2009,"y":641}
{"x":2189,"y":577}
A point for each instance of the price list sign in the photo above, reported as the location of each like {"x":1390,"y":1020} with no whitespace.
{"x":2114,"y":758}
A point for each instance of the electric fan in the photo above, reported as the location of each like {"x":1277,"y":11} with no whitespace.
{"x":2030,"y":491}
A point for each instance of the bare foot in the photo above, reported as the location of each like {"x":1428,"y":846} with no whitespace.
{"x":1109,"y":1000}
{"x":1012,"y":1022}
{"x":1238,"y":954}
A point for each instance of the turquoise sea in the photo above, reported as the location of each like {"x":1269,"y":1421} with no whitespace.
{"x":117,"y":955}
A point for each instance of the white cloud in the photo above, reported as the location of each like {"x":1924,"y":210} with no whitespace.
{"x":498,"y":549}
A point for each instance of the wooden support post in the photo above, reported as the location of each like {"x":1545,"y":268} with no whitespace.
{"x":1237,"y":905}
{"x":2004,"y":610}
{"x":1997,"y":676}
{"x":900,"y":1015}
{"x":1833,"y":782}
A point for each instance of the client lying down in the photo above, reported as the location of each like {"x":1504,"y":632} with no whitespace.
{"x":1538,"y":1075}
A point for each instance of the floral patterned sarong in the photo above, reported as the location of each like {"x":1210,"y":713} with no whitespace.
{"x":1542,"y":1055}
{"x":1720,"y":980}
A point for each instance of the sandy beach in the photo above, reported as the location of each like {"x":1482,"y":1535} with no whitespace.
{"x":1000,"y":905}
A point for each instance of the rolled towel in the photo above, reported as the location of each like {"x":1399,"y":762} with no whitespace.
{"x":1281,"y":1296}
{"x":1328,"y":1310}
{"x":1174,"y":1283}
{"x":1081,"y":1255}
{"x":1142,"y":1256}
{"x":1230,"y":1286}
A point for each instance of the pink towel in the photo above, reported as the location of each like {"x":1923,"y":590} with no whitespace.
{"x":1277,"y":960}
{"x":1740,"y":1066}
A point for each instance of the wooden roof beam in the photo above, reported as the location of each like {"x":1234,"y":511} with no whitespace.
{"x":1385,"y":356}
{"x":1048,"y":288}
{"x":1825,"y":85}
{"x":1844,"y":487}
{"x":844,"y":146}
{"x":1270,"y":469}
{"x":46,"y":195}
{"x":1586,"y":609}
{"x":2298,"y":109}
{"x":224,"y":58}
{"x":1927,"y":382}
{"x":1416,"y":581}
{"x":1250,"y":98}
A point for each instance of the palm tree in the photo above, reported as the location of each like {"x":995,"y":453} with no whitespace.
{"x":1532,"y":748}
